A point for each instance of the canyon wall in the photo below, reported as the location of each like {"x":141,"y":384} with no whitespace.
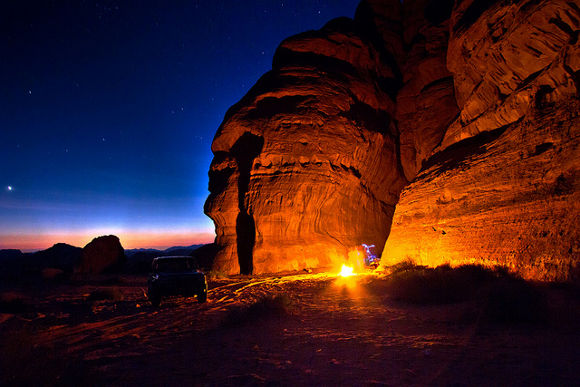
{"x":470,"y":106}
{"x":502,"y":187}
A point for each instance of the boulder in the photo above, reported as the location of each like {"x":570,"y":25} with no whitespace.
{"x":102,"y":254}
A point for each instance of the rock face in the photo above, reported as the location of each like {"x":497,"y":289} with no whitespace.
{"x":426,"y":102}
{"x":306,"y":165}
{"x":102,"y":254}
{"x":472,"y":106}
{"x":502,"y":187}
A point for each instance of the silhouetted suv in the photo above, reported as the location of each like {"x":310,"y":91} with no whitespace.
{"x":173,"y":276}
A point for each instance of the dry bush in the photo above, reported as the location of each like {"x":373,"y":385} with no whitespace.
{"x":405,"y":265}
{"x":500,"y":296}
{"x":442,"y":285}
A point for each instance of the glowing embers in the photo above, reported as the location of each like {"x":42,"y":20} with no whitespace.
{"x":346,"y":271}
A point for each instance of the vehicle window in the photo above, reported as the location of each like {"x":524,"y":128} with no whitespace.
{"x":175,"y":265}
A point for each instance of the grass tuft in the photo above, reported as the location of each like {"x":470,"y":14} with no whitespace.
{"x":442,"y":285}
{"x":500,"y":296}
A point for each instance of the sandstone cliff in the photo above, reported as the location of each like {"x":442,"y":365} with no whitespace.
{"x":502,"y":187}
{"x":306,"y":165}
{"x":472,"y":106}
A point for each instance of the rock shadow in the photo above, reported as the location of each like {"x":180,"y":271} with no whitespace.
{"x":245,"y":150}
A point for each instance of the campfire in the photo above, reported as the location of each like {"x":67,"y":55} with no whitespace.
{"x":359,"y":261}
{"x":346,"y":271}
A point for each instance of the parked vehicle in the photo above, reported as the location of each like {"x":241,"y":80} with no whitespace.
{"x":172,"y":276}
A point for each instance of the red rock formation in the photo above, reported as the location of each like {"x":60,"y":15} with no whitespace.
{"x":506,"y":57}
{"x":102,"y":254}
{"x":305,"y":166}
{"x":503,"y":187}
{"x":426,"y":102}
{"x":476,"y":106}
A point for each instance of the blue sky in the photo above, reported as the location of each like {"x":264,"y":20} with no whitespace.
{"x":108,"y":110}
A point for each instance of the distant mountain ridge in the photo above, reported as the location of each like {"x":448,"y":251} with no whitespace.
{"x":64,"y":257}
{"x":173,"y":250}
{"x":139,"y":260}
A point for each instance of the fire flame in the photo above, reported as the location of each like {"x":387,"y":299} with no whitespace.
{"x":346,"y":271}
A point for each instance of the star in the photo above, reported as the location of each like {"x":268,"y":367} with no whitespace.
{"x":9,"y":188}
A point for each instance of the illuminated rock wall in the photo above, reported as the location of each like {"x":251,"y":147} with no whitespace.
{"x":502,"y":187}
{"x":473,"y":109}
{"x":426,"y":101}
{"x":306,"y":165}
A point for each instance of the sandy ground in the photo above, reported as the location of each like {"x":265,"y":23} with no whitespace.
{"x":322,"y":330}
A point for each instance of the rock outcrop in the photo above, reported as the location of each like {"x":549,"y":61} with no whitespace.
{"x":472,"y":105}
{"x":306,"y":165}
{"x":61,"y":256}
{"x":502,"y":187}
{"x":102,"y":254}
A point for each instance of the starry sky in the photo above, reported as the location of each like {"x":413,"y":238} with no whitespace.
{"x":108,"y":109}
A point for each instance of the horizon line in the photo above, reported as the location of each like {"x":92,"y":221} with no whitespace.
{"x":129,"y":240}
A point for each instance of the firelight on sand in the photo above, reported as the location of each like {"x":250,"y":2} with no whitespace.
{"x":346,"y":271}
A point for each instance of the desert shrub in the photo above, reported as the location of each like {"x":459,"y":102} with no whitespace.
{"x":111,"y":293}
{"x":442,"y":285}
{"x":405,"y":265}
{"x":264,"y":308}
{"x":499,"y":296}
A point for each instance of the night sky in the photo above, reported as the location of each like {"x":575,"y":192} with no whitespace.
{"x":108,"y":110}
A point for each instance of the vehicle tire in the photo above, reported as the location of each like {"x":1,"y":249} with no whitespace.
{"x":154,"y":298}
{"x":202,"y":297}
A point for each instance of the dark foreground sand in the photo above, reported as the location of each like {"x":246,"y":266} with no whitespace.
{"x":318,"y":330}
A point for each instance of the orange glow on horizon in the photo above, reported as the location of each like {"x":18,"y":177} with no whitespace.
{"x":129,"y":240}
